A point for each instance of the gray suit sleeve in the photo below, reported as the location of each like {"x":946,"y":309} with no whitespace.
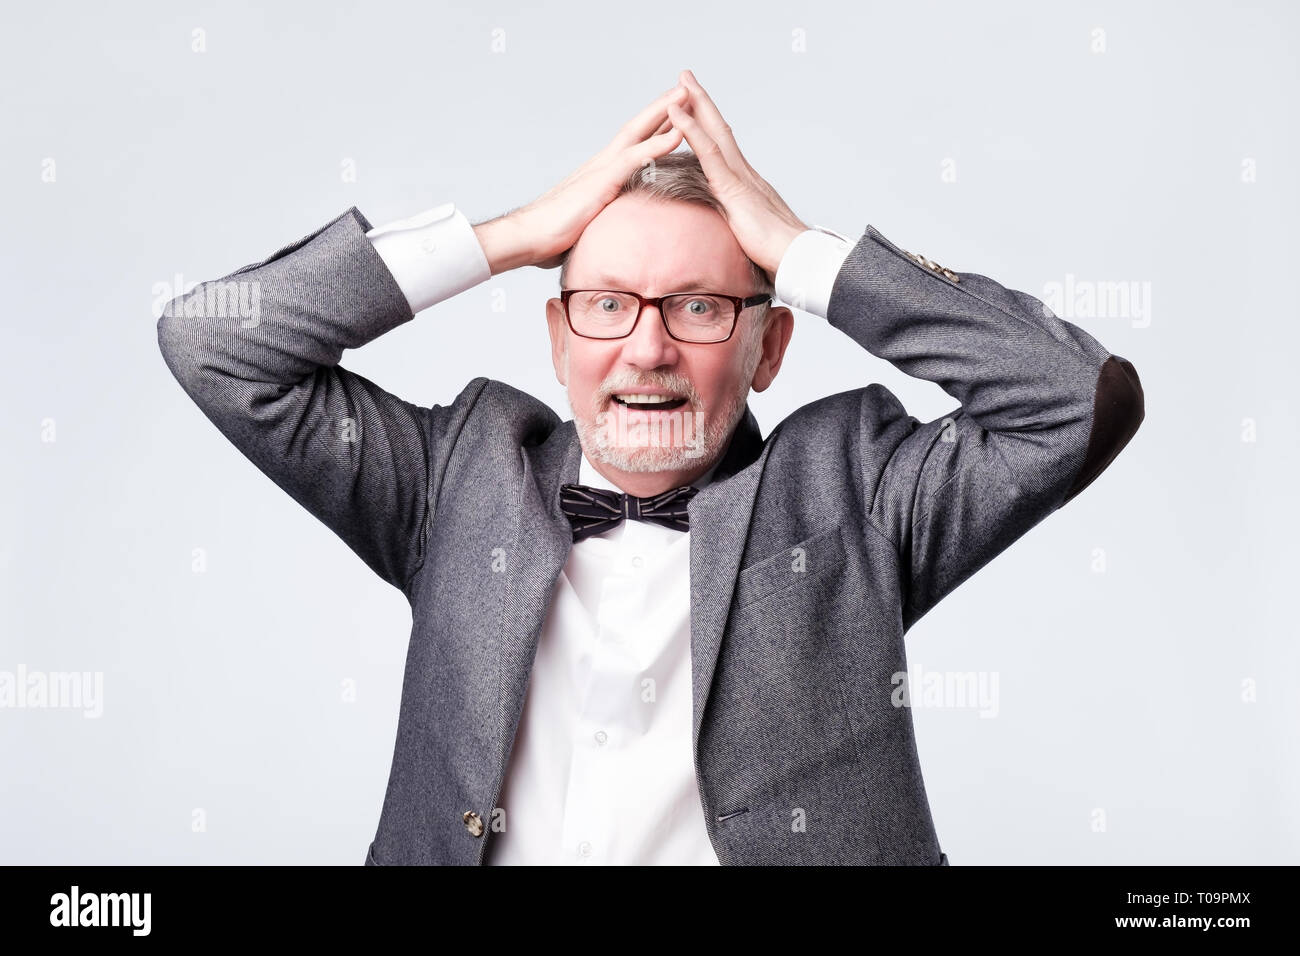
{"x":258,"y":352}
{"x":1044,"y":409}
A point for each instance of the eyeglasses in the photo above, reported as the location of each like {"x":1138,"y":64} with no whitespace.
{"x":702,"y":318}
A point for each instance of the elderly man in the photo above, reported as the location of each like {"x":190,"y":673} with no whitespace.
{"x":647,"y":634}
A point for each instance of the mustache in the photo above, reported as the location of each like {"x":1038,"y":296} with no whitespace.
{"x":677,"y":384}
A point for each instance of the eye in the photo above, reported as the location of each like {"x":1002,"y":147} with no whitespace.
{"x":611,"y":301}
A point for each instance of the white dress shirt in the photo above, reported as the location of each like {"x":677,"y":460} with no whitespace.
{"x":602,"y":769}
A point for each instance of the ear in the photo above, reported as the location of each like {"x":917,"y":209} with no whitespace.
{"x":559,"y":331}
{"x":776,"y":336}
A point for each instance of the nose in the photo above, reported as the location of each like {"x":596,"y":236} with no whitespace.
{"x":649,"y":345}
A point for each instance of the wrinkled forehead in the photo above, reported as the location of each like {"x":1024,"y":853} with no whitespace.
{"x":653,"y":246}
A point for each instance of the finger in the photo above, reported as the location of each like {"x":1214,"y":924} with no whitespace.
{"x":664,"y":127}
{"x":649,"y":119}
{"x":710,"y":117}
{"x":656,"y":146}
{"x":710,"y":155}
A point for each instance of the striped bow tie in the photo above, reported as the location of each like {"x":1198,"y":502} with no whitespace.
{"x":593,"y":510}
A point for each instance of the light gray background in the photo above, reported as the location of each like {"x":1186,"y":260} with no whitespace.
{"x":1119,"y":691}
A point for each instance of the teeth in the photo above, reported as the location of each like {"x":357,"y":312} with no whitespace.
{"x":646,"y":399}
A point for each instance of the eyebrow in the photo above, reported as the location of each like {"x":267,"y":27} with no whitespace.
{"x":695,"y":285}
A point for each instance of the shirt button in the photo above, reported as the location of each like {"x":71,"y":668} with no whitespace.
{"x":428,"y":246}
{"x":601,"y":737}
{"x":584,"y":848}
{"x":637,"y":561}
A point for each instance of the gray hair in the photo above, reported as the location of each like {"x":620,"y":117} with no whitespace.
{"x":679,"y":177}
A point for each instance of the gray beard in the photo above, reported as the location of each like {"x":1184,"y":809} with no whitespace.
{"x":650,"y":448}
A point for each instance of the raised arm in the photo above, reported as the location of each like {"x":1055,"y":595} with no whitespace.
{"x":258,"y":350}
{"x":1044,"y":408}
{"x":267,"y":375}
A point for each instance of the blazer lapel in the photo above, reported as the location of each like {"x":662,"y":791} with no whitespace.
{"x":719,"y":520}
{"x":542,"y":547}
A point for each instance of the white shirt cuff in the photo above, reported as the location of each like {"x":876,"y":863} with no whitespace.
{"x":433,"y":256}
{"x":807,"y":272}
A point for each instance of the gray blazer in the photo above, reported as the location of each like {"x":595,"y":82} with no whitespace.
{"x":812,"y":552}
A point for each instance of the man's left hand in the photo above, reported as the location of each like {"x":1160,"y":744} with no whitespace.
{"x":763,"y":224}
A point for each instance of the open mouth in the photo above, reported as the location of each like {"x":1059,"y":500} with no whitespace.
{"x":649,"y":403}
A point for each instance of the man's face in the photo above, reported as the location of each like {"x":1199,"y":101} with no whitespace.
{"x":638,"y":244}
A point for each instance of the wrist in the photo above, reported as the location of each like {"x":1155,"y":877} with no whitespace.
{"x":503,"y":244}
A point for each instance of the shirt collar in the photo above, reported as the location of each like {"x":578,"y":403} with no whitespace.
{"x":588,"y":475}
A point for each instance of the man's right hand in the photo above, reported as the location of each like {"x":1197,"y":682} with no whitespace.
{"x":540,"y":233}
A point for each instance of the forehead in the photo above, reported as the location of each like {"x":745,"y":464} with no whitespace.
{"x":655,"y":246}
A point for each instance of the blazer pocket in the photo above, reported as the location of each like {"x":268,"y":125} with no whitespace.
{"x":790,"y":567}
